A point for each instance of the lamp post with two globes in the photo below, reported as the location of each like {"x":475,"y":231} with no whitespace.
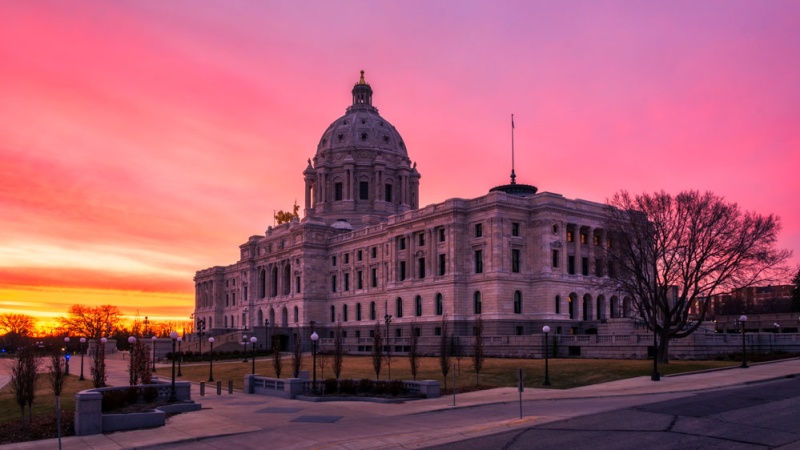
{"x":83,"y":350}
{"x":253,"y":340}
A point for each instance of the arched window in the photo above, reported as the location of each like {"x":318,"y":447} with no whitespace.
{"x":558,"y":304}
{"x":399,"y":308}
{"x":418,"y":306}
{"x":517,"y":302}
{"x":477,"y":305}
{"x":439,"y":305}
{"x":296,"y":314}
{"x":333,"y":313}
{"x":274,"y":288}
{"x":572,"y":298}
{"x":344,"y":313}
{"x":225,"y":321}
{"x":287,"y":279}
{"x":358,"y":311}
{"x":371,"y":310}
{"x":587,"y":307}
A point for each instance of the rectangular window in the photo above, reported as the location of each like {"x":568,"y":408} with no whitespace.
{"x":333,"y":283}
{"x":347,"y":258}
{"x":421,"y":239}
{"x":333,"y":261}
{"x":233,"y":299}
{"x":358,"y":333}
{"x":372,"y":333}
{"x":570,"y":238}
{"x":347,"y":282}
{"x":478,"y":230}
{"x":437,"y":331}
{"x":398,"y":332}
{"x":359,"y":255}
{"x":583,"y":238}
{"x":359,"y":280}
{"x":388,"y":193}
{"x":402,"y":270}
{"x":608,"y":242}
{"x":478,"y":261}
{"x":598,"y":267}
{"x":596,"y":240}
{"x":515,"y":260}
{"x":402,"y":243}
{"x":374,"y":252}
{"x":585,"y":266}
{"x":421,"y":266}
{"x":363,"y":190}
{"x":417,"y":332}
{"x":514,"y":229}
{"x":441,"y":234}
{"x":374,"y":277}
{"x":297,"y":285}
{"x":442,"y":264}
{"x":571,"y":265}
{"x":337,"y":191}
{"x":555,"y":258}
{"x":519,"y":331}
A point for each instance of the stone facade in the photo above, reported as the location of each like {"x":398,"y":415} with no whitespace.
{"x":365,"y":251}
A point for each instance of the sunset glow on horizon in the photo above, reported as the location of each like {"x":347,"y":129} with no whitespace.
{"x":141,"y":141}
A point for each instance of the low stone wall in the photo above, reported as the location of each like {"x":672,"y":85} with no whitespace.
{"x":293,"y":387}
{"x":89,"y":417}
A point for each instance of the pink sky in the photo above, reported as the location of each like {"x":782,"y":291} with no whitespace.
{"x":141,"y":140}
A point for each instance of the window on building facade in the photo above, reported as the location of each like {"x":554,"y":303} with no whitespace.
{"x":398,"y":332}
{"x":421,"y":239}
{"x":437,"y":331}
{"x":387,"y":193}
{"x":555,"y":258}
{"x":478,"y":261}
{"x":518,"y":330}
{"x":333,"y":283}
{"x":344,"y":313}
{"x":347,"y":258}
{"x":478,"y":230}
{"x":442,"y":264}
{"x":517,"y":302}
{"x":583,"y":238}
{"x":418,"y":306}
{"x":585,"y":266}
{"x":374,"y":251}
{"x":402,"y":243}
{"x":402,"y":270}
{"x":477,"y":305}
{"x":515,"y":228}
{"x":439,"y":305}
{"x":596,"y":240}
{"x":337,"y":191}
{"x":608,"y":242}
{"x":333,"y":313}
{"x":363,"y":190}
{"x":233,"y":298}
{"x":359,"y":280}
{"x":371,"y":310}
{"x":421,"y":266}
{"x":374,"y":277}
{"x":227,"y":299}
{"x":570,"y":238}
{"x":296,"y":314}
{"x":398,"y":308}
{"x":558,"y":304}
{"x":359,"y":255}
{"x":571,"y":265}
{"x":297,"y":284}
{"x":346,"y":281}
{"x":515,"y":260}
{"x":333,"y":261}
{"x":441,"y":234}
{"x":598,"y":267}
{"x":358,"y":311}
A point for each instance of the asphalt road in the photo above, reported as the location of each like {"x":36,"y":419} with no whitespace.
{"x":760,"y":416}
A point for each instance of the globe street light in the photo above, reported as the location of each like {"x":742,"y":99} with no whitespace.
{"x":743,"y":319}
{"x":66,"y":355}
{"x":546,"y":330}
{"x":132,"y":370}
{"x":211,"y":361}
{"x":180,"y":355}
{"x":244,"y":344}
{"x":154,"y":352}
{"x":174,"y":337}
{"x":314,"y":339}
{"x":253,"y":341}
{"x":83,"y":350}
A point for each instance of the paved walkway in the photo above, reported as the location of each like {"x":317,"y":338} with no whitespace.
{"x":246,"y":419}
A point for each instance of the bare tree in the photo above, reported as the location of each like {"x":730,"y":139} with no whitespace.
{"x":477,"y":350}
{"x":338,"y":351}
{"x":23,"y":380}
{"x":413,"y":355}
{"x":57,"y":377}
{"x":276,"y":356}
{"x":377,"y":350}
{"x":16,"y":326}
{"x":796,"y":292}
{"x":140,"y":363}
{"x":98,"y":368}
{"x":323,"y":361}
{"x":444,"y":352}
{"x":669,"y":254}
{"x":93,"y":322}
{"x":297,"y":356}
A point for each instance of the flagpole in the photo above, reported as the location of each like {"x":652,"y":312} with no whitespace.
{"x":513,"y":175}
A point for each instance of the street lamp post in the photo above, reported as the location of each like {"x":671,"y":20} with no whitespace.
{"x":154,"y":352}
{"x":743,"y":320}
{"x":211,"y":361}
{"x":244,"y":345}
{"x":180,"y":355}
{"x":546,"y":330}
{"x":132,"y":369}
{"x":174,"y":337}
{"x":83,"y":350}
{"x":201,"y":326}
{"x":66,"y":355}
{"x":314,"y":339}
{"x":253,"y":340}
{"x":388,"y":319}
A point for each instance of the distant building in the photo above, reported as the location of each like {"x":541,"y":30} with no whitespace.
{"x":365,"y":252}
{"x":753,"y":300}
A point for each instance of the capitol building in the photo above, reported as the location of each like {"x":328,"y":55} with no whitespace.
{"x":364,"y":252}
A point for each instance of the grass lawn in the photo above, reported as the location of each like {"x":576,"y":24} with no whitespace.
{"x":497,"y":372}
{"x":44,"y":411}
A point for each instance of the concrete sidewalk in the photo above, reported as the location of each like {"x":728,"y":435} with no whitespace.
{"x":243,"y":417}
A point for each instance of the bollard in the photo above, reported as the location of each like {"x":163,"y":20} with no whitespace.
{"x":230,"y":386}
{"x":202,"y":389}
{"x":219,"y":387}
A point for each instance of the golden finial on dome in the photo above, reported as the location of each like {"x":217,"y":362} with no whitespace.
{"x":361,"y":81}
